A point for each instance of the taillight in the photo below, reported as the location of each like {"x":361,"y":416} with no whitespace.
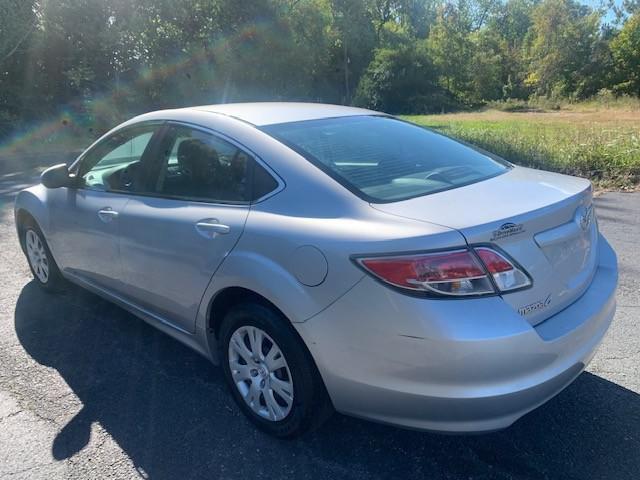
{"x":449,"y":273}
{"x":505,"y":274}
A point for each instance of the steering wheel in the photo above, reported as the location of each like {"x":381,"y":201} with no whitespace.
{"x":438,"y":177}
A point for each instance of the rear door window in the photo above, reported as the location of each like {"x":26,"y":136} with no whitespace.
{"x":199,"y":166}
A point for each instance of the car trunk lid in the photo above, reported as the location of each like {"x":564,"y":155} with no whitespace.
{"x":544,"y":221}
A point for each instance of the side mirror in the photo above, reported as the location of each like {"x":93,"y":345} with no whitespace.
{"x":56,"y":177}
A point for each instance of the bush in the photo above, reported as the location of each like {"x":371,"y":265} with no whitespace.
{"x":534,"y":104}
{"x":401,"y":81}
{"x":436,"y":102}
{"x":510,"y":105}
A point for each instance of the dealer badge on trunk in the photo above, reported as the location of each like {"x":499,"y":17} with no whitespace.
{"x":507,"y":230}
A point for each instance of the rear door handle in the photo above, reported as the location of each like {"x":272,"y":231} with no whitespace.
{"x":211,"y":228}
{"x":107,"y":214}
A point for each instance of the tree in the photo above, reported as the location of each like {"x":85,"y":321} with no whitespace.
{"x":625,"y":48}
{"x":487,"y":67}
{"x":511,"y":23}
{"x":561,"y":40}
{"x":401,"y":80}
{"x":354,"y":40}
{"x":598,"y":71}
{"x":413,"y":16}
{"x":18,"y":25}
{"x":450,"y":49}
{"x":18,"y":21}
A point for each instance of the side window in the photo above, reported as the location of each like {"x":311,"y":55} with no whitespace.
{"x":114,"y":163}
{"x":263,"y":182}
{"x":201,"y":166}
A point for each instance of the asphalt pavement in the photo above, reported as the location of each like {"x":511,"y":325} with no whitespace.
{"x":89,"y":391}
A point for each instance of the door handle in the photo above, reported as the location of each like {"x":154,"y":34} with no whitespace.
{"x":107,"y":214}
{"x":211,"y":228}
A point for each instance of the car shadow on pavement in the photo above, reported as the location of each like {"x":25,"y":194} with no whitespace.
{"x":169,"y":410}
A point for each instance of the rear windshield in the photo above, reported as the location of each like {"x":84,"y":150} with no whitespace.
{"x":382,"y":159}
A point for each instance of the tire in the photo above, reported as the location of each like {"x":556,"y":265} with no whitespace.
{"x":309,"y":403}
{"x":43,"y":267}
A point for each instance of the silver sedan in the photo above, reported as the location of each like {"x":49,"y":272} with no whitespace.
{"x":331,"y":257}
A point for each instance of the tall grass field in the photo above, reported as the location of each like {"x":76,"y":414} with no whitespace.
{"x":602,"y":145}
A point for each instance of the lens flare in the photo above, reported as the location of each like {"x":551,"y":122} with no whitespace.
{"x":189,"y":76}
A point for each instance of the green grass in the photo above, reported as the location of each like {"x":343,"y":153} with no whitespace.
{"x":603,"y":146}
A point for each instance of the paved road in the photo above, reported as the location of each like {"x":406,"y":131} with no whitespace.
{"x":88,"y":391}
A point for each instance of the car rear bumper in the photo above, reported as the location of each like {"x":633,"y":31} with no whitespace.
{"x":453,"y":365}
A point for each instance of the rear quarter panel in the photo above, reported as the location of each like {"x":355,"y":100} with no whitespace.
{"x":267,"y":258}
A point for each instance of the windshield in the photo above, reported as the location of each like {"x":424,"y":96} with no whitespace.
{"x":383,"y":159}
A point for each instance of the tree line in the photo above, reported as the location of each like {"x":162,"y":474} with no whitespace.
{"x":93,"y":60}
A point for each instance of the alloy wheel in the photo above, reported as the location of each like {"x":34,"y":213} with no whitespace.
{"x":260,"y":373}
{"x":37,"y":256}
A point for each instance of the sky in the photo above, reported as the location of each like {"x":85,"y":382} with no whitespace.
{"x":597,"y":3}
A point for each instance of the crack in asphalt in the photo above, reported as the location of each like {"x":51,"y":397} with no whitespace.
{"x":25,"y":470}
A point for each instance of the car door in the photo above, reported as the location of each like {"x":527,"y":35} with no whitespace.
{"x":85,"y":218}
{"x":174,"y":238}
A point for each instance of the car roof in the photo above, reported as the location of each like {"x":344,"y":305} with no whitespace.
{"x":270,"y":113}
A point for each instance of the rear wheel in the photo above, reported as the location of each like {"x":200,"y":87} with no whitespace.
{"x":270,"y":373}
{"x":43,"y":267}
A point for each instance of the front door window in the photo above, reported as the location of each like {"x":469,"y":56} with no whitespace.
{"x":114,"y":164}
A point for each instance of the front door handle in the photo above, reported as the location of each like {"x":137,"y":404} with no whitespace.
{"x":107,"y":214}
{"x":211,"y":228}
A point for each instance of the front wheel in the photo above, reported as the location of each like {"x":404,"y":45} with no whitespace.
{"x":41,"y":262}
{"x":270,"y":373}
